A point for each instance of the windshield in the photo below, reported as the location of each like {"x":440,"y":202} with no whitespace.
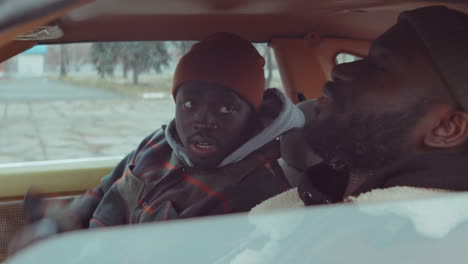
{"x":418,"y":231}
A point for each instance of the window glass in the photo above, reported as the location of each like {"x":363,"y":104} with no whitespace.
{"x":272,"y":76}
{"x":89,"y":99}
{"x":344,"y":57}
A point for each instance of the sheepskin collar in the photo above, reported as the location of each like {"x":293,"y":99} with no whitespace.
{"x":291,"y":199}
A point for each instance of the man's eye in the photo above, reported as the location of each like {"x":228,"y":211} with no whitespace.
{"x":188,"y":105}
{"x":226,"y":109}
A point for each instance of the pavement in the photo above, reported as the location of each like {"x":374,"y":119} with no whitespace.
{"x":42,"y":89}
{"x":50,"y":120}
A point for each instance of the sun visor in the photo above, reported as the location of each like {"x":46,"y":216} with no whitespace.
{"x":30,"y":21}
{"x":41,"y":33}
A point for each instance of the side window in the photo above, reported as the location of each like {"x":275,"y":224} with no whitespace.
{"x":84,"y":100}
{"x":272,"y":76}
{"x":90,"y":100}
{"x":344,"y":57}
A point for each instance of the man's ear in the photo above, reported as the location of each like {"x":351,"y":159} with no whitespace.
{"x":452,"y":131}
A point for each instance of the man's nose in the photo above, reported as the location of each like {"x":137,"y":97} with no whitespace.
{"x":204,"y":125}
{"x":205,"y":119}
{"x":346,"y":72}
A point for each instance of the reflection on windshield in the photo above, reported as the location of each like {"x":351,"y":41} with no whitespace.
{"x":432,"y":218}
{"x":395,"y":226}
{"x":389,"y":232}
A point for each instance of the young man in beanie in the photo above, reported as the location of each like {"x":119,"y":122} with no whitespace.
{"x":217,"y":156}
{"x":404,"y":109}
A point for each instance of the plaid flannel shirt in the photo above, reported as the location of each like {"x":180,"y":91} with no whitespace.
{"x":152,"y":184}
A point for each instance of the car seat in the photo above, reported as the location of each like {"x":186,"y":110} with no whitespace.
{"x":296,"y":155}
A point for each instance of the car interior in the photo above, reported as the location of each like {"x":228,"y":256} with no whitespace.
{"x":305,"y":36}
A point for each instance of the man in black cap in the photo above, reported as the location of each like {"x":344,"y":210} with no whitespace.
{"x":393,"y":125}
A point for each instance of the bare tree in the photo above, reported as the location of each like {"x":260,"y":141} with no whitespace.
{"x":184,"y":47}
{"x":64,"y":60}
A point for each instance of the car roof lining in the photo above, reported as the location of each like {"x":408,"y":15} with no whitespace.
{"x":256,"y":20}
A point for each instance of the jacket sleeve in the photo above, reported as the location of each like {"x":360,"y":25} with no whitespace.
{"x":77,"y":213}
{"x":80,"y":211}
{"x":82,"y":208}
{"x":46,"y":218}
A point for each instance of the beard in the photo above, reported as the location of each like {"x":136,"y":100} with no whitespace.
{"x":364,"y":142}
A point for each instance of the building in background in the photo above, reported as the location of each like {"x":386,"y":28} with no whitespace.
{"x":31,"y":62}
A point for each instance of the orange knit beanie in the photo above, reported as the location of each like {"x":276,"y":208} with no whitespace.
{"x":225,"y":59}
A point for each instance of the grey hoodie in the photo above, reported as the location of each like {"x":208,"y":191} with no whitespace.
{"x":289,"y":117}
